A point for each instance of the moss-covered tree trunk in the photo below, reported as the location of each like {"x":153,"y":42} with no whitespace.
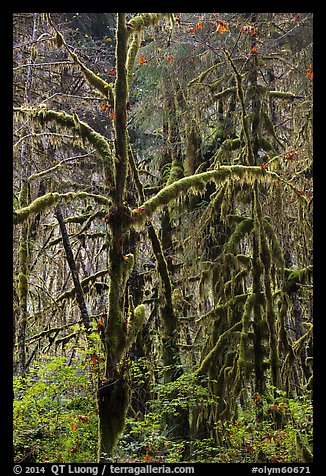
{"x":113,"y":396}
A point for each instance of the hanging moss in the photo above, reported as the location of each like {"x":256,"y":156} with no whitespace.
{"x":93,"y":79}
{"x":217,"y":349}
{"x":244,"y":227}
{"x":198,"y":182}
{"x":52,"y":198}
{"x":84,"y":131}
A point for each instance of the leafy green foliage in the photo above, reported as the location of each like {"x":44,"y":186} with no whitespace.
{"x":266,"y":429}
{"x":55,"y":413}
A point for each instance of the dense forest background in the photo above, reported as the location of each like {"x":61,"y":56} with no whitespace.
{"x":162,"y":195}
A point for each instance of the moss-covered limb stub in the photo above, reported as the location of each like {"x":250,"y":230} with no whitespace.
{"x":52,"y":198}
{"x":143,"y":20}
{"x":134,"y":325}
{"x":284,"y":95}
{"x":82,"y":129}
{"x":131,"y":58}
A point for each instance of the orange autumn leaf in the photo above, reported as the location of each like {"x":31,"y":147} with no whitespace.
{"x":264,"y":166}
{"x":105,"y":107}
{"x":191,"y":30}
{"x":112,"y":115}
{"x":221,"y":26}
{"x":112,"y":72}
{"x":100,"y":325}
{"x":199,"y":25}
{"x":142,"y":60}
{"x":310,"y":73}
{"x":170,"y":58}
{"x":256,"y":397}
{"x":254,"y":50}
{"x":74,"y":426}
{"x":292,"y":155}
{"x":147,"y":458}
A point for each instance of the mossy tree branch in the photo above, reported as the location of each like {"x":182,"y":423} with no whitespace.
{"x":73,"y":269}
{"x":104,"y":88}
{"x":52,"y":198}
{"x":83,"y":131}
{"x":198,"y":182}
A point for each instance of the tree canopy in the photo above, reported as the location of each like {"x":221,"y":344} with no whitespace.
{"x":163,"y":239}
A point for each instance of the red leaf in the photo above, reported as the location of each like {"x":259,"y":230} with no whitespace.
{"x":142,"y":60}
{"x":83,"y":418}
{"x":112,"y":115}
{"x":256,"y":397}
{"x":100,"y":325}
{"x":310,"y":73}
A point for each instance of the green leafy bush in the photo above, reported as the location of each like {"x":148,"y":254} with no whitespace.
{"x":55,"y":417}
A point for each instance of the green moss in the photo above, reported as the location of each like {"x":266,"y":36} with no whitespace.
{"x":222,"y":94}
{"x":197,"y":181}
{"x":22,"y":285}
{"x":131,"y":57}
{"x":38,"y":205}
{"x":283,"y":95}
{"x":144,"y":20}
{"x":269,"y":127}
{"x":93,"y":79}
{"x":83,"y":130}
{"x":134,"y":325}
{"x":244,"y":227}
{"x":219,"y":347}
{"x":50,"y":199}
{"x":199,"y":79}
